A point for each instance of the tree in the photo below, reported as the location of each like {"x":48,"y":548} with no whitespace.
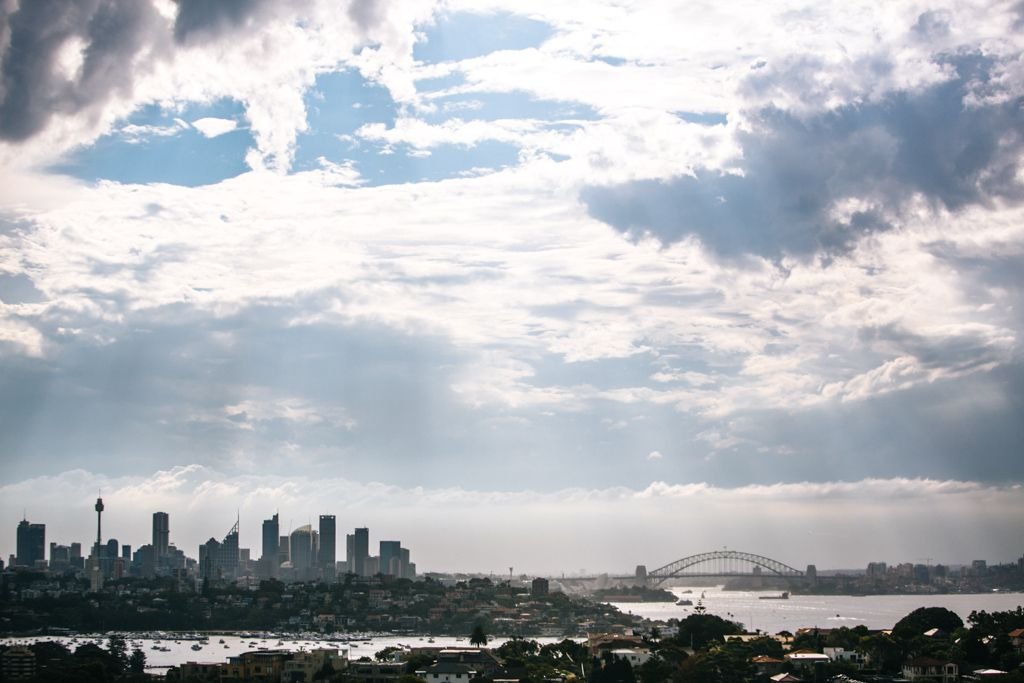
{"x":118,"y":649}
{"x":700,"y":629}
{"x":478,"y":637}
{"x":924,"y":618}
{"x":137,"y":662}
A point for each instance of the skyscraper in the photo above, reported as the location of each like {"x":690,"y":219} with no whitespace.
{"x":31,"y":543}
{"x":161,"y":533}
{"x":360,"y":550}
{"x":327,"y":556}
{"x":271,"y":538}
{"x":220,"y":560}
{"x":271,"y":546}
{"x":391,"y":558}
{"x":301,"y":549}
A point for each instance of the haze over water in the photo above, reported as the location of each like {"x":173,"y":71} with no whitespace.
{"x":822,"y":611}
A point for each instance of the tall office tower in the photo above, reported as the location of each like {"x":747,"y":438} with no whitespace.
{"x":271,"y":540}
{"x":208,"y":554}
{"x":60,"y":558}
{"x":75,"y":558}
{"x":360,"y":551}
{"x":108,"y":554}
{"x":407,"y":566}
{"x":161,"y":533}
{"x":228,"y":559}
{"x":390,"y":557}
{"x":31,"y":543}
{"x":301,"y":550}
{"x":126,"y":553}
{"x":327,"y":555}
{"x":350,"y":553}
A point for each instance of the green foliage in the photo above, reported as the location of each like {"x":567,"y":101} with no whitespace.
{"x":478,"y":637}
{"x":884,"y":652}
{"x":700,"y":629}
{"x":996,"y":623}
{"x":717,"y":665}
{"x":612,"y":670}
{"x":654,"y":670}
{"x":923,"y":619}
{"x":137,"y":661}
{"x":410,"y":678}
{"x":518,"y":649}
{"x":385,"y":654}
{"x":417,"y":662}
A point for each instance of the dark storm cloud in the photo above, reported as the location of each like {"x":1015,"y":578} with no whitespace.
{"x":366,"y":13}
{"x":932,"y":143}
{"x":200,"y":19}
{"x":33,"y":87}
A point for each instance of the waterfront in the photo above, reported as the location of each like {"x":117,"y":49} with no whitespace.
{"x":179,"y":645}
{"x":823,"y":611}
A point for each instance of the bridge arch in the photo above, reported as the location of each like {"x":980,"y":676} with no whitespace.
{"x":723,"y":563}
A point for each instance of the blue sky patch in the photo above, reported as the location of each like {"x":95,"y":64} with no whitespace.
{"x":491,"y":106}
{"x":185,"y":157}
{"x":703,"y":118}
{"x":466,"y":35}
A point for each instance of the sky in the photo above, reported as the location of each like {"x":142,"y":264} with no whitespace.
{"x":565,"y":286}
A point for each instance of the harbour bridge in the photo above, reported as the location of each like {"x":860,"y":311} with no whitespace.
{"x":717,"y":563}
{"x":727,"y":563}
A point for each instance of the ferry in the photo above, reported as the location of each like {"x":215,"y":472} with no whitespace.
{"x":783,"y":596}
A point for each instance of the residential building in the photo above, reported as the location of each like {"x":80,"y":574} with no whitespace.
{"x":930,"y":669}
{"x":17,"y":663}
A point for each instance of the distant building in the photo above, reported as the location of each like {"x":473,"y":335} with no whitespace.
{"x":927,"y":668}
{"x":271,"y":546}
{"x":360,"y":551}
{"x":447,"y":672}
{"x":17,"y":663}
{"x":31,"y":545}
{"x":391,"y":558}
{"x":305,"y":665}
{"x":301,"y":551}
{"x":327,"y":553}
{"x":634,"y":655}
{"x":219,"y":560}
{"x":259,"y":665}
{"x":373,"y":672}
{"x":539,"y":587}
{"x":161,"y":534}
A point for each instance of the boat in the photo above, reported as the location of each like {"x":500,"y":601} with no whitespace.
{"x":783,"y":596}
{"x":684,"y":601}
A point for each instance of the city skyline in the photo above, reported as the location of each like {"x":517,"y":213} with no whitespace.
{"x":545,"y":285}
{"x":254,"y":543}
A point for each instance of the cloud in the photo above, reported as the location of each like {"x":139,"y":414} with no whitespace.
{"x":197,"y":20}
{"x":211,"y":127}
{"x":655,"y":455}
{"x":69,"y":58}
{"x":818,"y":183}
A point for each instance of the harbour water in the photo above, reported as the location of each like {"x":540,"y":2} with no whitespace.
{"x":171,"y":649}
{"x":746,"y":607}
{"x":823,"y":611}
